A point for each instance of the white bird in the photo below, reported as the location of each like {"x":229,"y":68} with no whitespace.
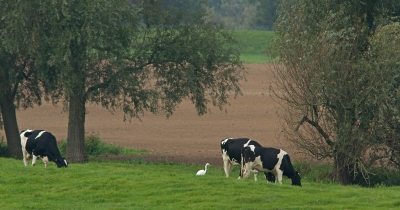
{"x":202,"y":172}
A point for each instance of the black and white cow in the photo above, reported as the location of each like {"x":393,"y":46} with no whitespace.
{"x":43,"y":144}
{"x":272,"y":160}
{"x":231,"y":149}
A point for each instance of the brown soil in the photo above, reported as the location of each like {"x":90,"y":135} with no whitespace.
{"x":185,"y":137}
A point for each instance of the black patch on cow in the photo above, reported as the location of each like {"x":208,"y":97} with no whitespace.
{"x":26,"y":134}
{"x":270,"y":154}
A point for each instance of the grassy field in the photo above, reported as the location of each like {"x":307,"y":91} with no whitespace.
{"x":138,"y":185}
{"x":254,"y":45}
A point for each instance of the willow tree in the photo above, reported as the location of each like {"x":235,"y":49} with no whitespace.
{"x":21,"y":84}
{"x":136,"y":56}
{"x":340,"y":93}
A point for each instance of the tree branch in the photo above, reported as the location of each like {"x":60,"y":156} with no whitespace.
{"x":316,"y":126}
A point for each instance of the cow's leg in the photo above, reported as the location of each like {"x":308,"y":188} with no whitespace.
{"x":35,"y":153}
{"x":255,"y":172}
{"x":229,"y":168}
{"x":226,"y":168}
{"x":279,"y":175}
{"x":34,"y":157}
{"x":227,"y":164}
{"x":241,"y":171}
{"x":26,"y":157}
{"x":46,"y":161}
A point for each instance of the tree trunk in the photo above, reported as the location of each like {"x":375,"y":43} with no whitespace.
{"x":76,"y":152}
{"x":342,"y":170}
{"x":10,"y":125}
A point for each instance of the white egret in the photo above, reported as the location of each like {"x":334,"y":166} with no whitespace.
{"x":202,"y":172}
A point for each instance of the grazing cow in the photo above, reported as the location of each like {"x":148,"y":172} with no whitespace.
{"x":272,"y":160}
{"x":43,"y":144}
{"x":231,"y":149}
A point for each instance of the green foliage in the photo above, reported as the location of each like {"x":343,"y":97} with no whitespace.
{"x":3,"y":148}
{"x":319,"y":173}
{"x":234,"y":14}
{"x":113,"y":185}
{"x":244,"y":14}
{"x":266,"y":14}
{"x":95,"y":147}
{"x":383,"y":177}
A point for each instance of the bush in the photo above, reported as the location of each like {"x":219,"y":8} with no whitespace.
{"x":94,"y":147}
{"x":385,"y":177}
{"x":321,"y":173}
{"x":3,"y":148}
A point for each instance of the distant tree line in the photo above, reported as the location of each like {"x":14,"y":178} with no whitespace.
{"x":245,"y":14}
{"x":234,"y":14}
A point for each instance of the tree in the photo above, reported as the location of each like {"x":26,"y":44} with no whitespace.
{"x":139,"y":56}
{"x":339,"y":92}
{"x":266,"y":13}
{"x":234,"y":14}
{"x":20,"y":83}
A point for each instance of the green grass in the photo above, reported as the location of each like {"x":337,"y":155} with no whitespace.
{"x":138,"y":185}
{"x":254,"y":45}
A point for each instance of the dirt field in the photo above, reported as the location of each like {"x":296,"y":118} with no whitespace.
{"x":185,"y":137}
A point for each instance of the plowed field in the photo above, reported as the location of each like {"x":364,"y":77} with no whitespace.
{"x":185,"y":137}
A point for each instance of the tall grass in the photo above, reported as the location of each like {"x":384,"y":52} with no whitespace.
{"x":139,"y":185}
{"x":254,"y":45}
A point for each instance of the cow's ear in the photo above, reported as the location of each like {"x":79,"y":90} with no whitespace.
{"x":26,"y":134}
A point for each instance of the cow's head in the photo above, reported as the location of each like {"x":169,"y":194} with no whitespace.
{"x":246,"y":169}
{"x":296,"y":179}
{"x":248,"y":158}
{"x":61,"y":163}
